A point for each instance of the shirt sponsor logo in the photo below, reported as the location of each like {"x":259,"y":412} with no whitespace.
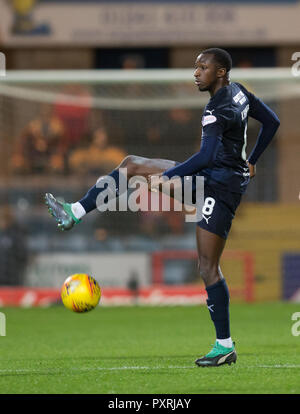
{"x":244,"y":112}
{"x":240,"y":98}
{"x":208,"y":119}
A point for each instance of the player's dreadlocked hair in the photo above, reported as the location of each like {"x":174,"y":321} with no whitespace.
{"x":221,"y":57}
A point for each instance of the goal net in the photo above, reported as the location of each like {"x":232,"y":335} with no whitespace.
{"x":155,"y":113}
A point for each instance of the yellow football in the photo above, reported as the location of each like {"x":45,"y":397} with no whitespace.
{"x":80,"y":293}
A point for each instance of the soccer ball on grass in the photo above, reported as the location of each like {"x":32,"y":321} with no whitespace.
{"x":80,"y":293}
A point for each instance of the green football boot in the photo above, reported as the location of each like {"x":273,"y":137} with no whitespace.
{"x":219,"y":355}
{"x":62,"y":212}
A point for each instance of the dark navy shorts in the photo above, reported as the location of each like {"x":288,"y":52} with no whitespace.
{"x":218,"y":209}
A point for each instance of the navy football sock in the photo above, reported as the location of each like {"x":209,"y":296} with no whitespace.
{"x":89,"y":201}
{"x":218,"y":306}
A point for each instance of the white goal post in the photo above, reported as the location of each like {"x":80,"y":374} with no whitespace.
{"x":171,"y":88}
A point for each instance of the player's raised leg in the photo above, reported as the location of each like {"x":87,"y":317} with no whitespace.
{"x":210,"y":247}
{"x":68,"y":214}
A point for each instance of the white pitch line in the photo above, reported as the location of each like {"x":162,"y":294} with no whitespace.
{"x":5,"y":371}
{"x":278,"y":366}
{"x":70,"y":370}
{"x":129,"y":368}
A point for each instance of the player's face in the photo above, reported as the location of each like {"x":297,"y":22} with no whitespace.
{"x":205,"y":72}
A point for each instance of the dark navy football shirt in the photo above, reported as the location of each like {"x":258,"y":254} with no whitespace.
{"x":222,"y":156}
{"x":226,"y":116}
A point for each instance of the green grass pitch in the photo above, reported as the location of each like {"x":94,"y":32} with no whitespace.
{"x":146,"y":350}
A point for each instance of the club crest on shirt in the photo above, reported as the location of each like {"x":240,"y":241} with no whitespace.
{"x":208,"y":119}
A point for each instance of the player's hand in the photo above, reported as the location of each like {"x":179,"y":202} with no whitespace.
{"x":252,"y":169}
{"x":153,"y":182}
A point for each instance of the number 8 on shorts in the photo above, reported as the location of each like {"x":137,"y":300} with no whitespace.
{"x":208,"y":206}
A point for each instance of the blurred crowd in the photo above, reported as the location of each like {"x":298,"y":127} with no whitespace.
{"x":75,"y":138}
{"x":71,"y":138}
{"x":63,"y":139}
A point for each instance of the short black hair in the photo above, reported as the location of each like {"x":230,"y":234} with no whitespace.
{"x":221,"y":57}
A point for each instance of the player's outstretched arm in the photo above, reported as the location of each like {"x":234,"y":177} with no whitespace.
{"x":270,"y":123}
{"x":202,"y":159}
